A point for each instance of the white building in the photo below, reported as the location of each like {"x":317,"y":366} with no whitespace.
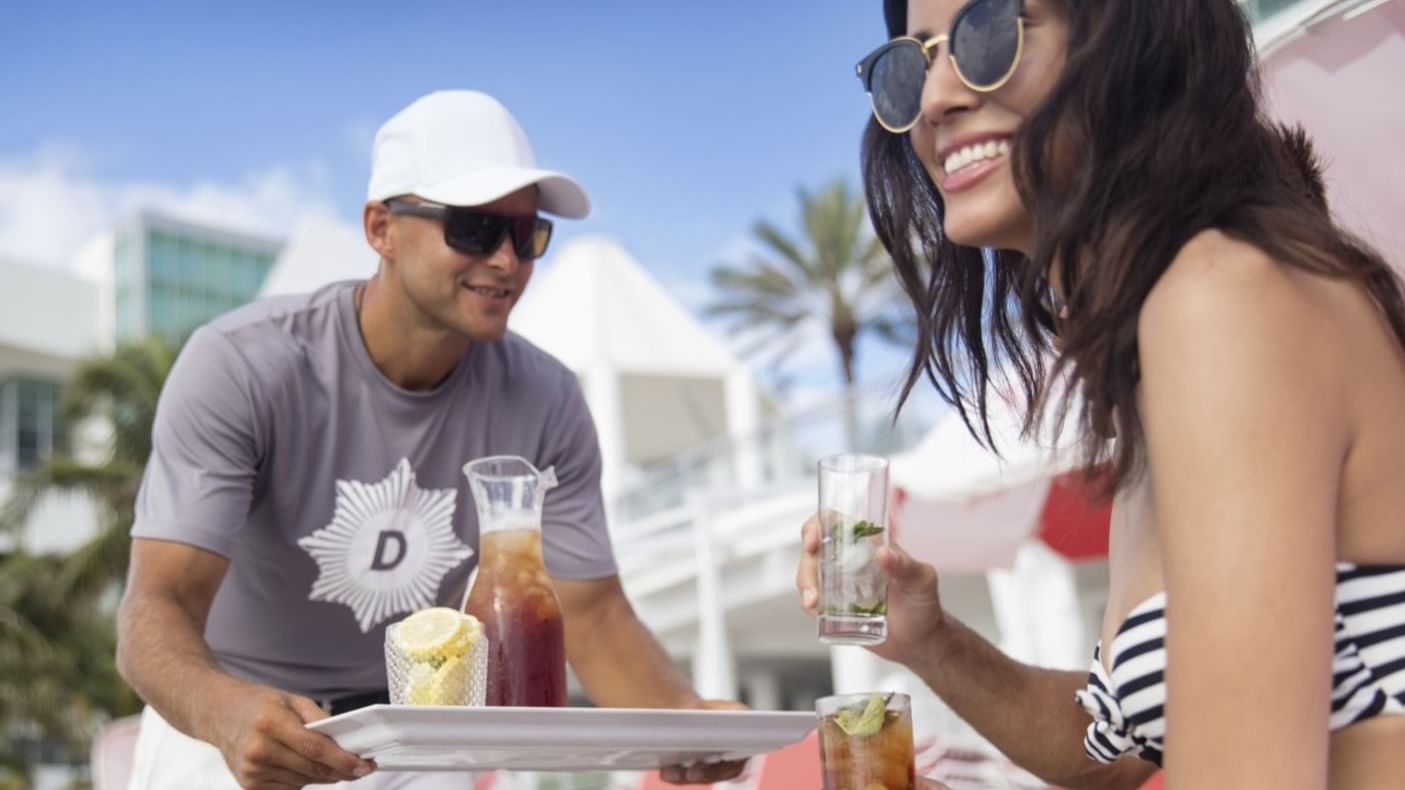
{"x":50,"y":321}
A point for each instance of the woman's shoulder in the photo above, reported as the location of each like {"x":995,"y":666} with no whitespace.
{"x":1219,"y":287}
{"x":1228,"y":314}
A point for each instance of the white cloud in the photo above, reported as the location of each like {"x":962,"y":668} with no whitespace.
{"x":51,"y":205}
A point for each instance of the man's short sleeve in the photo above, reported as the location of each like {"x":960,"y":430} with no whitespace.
{"x":205,"y":449}
{"x":575,"y":535}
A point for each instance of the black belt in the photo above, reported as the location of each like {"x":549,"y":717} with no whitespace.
{"x":350,"y":702}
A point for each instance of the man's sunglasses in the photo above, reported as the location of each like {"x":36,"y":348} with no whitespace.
{"x":478,"y":232}
{"x":984,"y":43}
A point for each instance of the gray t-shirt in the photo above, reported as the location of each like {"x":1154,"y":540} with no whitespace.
{"x":338,"y":497}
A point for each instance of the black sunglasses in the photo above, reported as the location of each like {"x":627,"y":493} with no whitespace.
{"x":477,"y":232}
{"x":984,"y":43}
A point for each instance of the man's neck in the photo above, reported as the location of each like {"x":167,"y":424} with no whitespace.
{"x":406,"y":350}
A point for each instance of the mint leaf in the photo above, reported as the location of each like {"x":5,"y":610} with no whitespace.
{"x":865,"y":529}
{"x":864,"y":719}
{"x":880,"y":607}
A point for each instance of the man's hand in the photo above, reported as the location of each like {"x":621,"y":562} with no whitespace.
{"x":267,"y":747}
{"x":706,"y":773}
{"x":914,"y":608}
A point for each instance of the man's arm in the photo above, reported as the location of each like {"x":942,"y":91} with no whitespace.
{"x":162,"y":654}
{"x":1028,"y":713}
{"x":614,"y":655}
{"x":621,"y":664}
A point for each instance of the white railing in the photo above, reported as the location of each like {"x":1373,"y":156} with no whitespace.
{"x":783,"y":451}
{"x":1276,"y":22}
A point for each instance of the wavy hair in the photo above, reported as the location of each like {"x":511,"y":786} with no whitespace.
{"x":1161,"y":101}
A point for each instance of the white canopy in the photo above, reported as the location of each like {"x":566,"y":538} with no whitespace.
{"x":656,"y":380}
{"x":321,"y":251}
{"x":1334,"y":72}
{"x":949,"y":464}
{"x":594,"y":304}
{"x":962,"y":507}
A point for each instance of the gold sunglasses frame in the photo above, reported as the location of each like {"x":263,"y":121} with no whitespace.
{"x":927,"y":48}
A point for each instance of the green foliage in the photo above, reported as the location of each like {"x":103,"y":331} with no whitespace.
{"x":838,"y":274}
{"x":57,"y":632}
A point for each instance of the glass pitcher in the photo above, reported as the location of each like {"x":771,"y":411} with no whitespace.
{"x":512,"y":594}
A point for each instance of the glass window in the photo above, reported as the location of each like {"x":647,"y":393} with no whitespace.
{"x":162,"y":312}
{"x":1260,"y":10}
{"x":265,"y":264}
{"x":122,"y":259}
{"x":248,"y":282}
{"x":222,"y":274}
{"x":162,"y":259}
{"x":28,"y":422}
{"x":197,"y":265}
{"x":185,"y":255}
{"x":8,"y":428}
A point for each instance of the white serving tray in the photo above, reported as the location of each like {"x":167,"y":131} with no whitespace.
{"x":429,"y":738}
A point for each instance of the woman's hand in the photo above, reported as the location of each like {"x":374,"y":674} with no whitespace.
{"x":915,"y":614}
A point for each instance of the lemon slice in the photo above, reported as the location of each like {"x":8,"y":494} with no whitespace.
{"x":436,"y":633}
{"x":419,"y":685}
{"x":472,"y":632}
{"x":450,"y":683}
{"x":447,"y":685}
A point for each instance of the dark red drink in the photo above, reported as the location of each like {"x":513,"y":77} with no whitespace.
{"x":521,"y":616}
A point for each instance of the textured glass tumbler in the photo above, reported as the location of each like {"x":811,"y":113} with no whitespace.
{"x":853,"y":515}
{"x":445,"y":677}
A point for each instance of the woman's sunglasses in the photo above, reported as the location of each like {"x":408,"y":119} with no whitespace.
{"x":984,"y":43}
{"x":478,"y":232}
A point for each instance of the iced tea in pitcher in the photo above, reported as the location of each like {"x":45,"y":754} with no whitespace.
{"x":512,"y":595}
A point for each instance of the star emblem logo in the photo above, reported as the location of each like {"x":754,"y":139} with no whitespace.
{"x":388,"y":547}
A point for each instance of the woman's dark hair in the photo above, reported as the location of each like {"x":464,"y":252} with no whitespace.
{"x":1161,"y":102}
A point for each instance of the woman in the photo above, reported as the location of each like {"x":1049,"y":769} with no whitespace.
{"x":1167,"y":252}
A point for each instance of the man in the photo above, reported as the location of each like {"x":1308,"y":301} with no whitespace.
{"x":282,"y":522}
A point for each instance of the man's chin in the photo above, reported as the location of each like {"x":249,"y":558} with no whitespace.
{"x":484,"y":334}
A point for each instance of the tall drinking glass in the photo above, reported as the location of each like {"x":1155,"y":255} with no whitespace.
{"x":853,"y":515}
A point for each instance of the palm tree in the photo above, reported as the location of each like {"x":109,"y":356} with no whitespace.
{"x":58,"y":680}
{"x":837,"y":279}
{"x":110,"y":407}
{"x":57,"y":637}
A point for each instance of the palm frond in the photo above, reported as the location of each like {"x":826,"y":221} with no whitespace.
{"x":57,"y":637}
{"x":761,"y":278}
{"x":25,"y":494}
{"x":836,"y":273}
{"x":98,"y":564}
{"x":112,"y":484}
{"x":789,"y":251}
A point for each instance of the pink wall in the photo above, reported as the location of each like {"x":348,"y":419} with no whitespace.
{"x":1345,"y":82}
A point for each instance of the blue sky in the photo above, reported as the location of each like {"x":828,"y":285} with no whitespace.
{"x":686,"y":121}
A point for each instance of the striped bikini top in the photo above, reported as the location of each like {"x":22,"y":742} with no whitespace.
{"x":1368,"y":668}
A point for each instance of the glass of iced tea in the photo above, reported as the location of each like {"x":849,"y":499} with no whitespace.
{"x":866,"y":742}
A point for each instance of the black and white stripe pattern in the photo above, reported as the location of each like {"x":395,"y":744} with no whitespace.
{"x":1128,"y":700}
{"x":1128,"y":703}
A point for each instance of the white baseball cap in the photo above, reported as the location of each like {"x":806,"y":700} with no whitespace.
{"x":463,"y":148}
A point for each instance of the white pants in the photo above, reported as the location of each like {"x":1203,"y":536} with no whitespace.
{"x":168,"y":759}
